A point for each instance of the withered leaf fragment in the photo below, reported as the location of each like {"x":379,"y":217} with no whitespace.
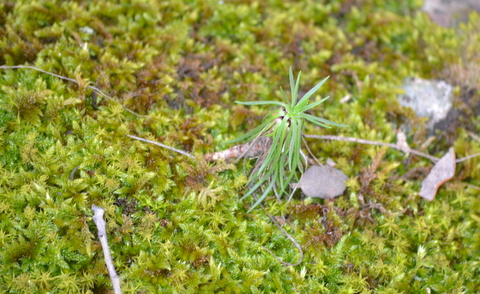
{"x":441,"y":172}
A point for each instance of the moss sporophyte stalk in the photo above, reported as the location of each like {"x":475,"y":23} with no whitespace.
{"x":283,"y":158}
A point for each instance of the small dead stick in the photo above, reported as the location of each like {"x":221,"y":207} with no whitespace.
{"x":300,"y":260}
{"x":162,"y":145}
{"x":467,"y":157}
{"x":244,"y":150}
{"x":257,"y":147}
{"x":362,"y":141}
{"x":248,"y":150}
{"x":394,"y":146}
{"x":102,"y":235}
{"x":95,"y":89}
{"x":475,"y":137}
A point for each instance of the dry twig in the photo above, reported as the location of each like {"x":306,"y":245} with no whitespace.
{"x":288,"y":236}
{"x":362,"y":141}
{"x":394,"y":146}
{"x":162,"y":145}
{"x":95,"y":89}
{"x":102,"y":235}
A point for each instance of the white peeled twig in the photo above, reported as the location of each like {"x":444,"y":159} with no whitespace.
{"x":102,"y":235}
{"x":95,"y":89}
{"x":162,"y":145}
{"x":401,"y":145}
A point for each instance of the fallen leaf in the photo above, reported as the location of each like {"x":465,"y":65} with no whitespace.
{"x":441,"y":172}
{"x":322,"y":182}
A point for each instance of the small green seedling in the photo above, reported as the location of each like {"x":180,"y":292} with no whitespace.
{"x":284,"y":158}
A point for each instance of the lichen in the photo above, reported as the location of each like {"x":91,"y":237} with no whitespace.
{"x":176,"y":225}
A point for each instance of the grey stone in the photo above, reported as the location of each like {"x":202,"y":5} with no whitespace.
{"x":427,"y":98}
{"x":449,"y":13}
{"x":324,"y":182}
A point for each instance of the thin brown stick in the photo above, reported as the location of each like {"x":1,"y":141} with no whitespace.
{"x":362,"y":141}
{"x":288,"y":236}
{"x":475,"y":137}
{"x":310,"y":152}
{"x":95,"y":89}
{"x":162,"y":145}
{"x":394,"y":146}
{"x":473,"y":186}
{"x":467,"y":157}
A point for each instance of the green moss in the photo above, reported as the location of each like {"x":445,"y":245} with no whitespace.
{"x":176,"y":225}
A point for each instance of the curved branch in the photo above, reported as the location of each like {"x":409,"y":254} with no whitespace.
{"x":288,"y":236}
{"x":362,"y":141}
{"x":95,"y":89}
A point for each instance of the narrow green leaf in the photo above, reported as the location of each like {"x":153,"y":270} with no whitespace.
{"x":284,"y":95}
{"x":258,"y":184}
{"x":310,"y":106}
{"x":318,"y":123}
{"x":291,"y":139}
{"x":297,"y":85}
{"x":298,"y":142}
{"x":276,"y":147}
{"x":264,"y":195}
{"x":318,"y":120}
{"x":314,"y":89}
{"x":268,"y":122}
{"x":258,"y":131}
{"x":292,"y":86}
{"x":287,"y":180}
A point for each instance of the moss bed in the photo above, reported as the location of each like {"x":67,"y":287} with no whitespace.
{"x":176,"y":225}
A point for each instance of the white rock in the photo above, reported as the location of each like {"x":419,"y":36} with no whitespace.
{"x":431,"y":99}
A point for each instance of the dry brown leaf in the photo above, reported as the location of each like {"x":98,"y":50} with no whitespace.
{"x":441,"y":172}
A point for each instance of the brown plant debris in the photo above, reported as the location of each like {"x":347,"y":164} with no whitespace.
{"x":441,"y":172}
{"x":248,"y":150}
